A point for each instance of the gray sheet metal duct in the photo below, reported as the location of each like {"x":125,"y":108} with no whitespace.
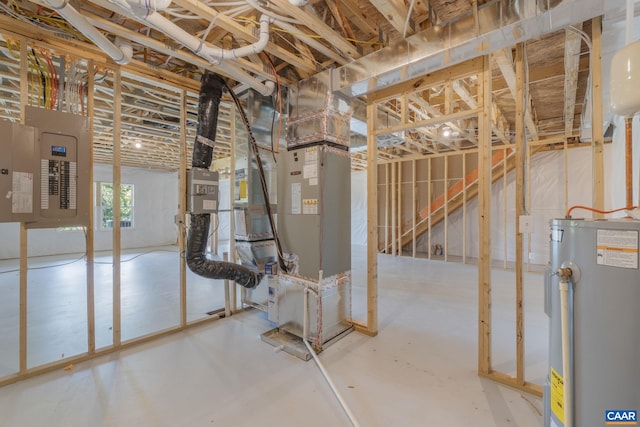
{"x":500,"y":24}
{"x":209,"y":101}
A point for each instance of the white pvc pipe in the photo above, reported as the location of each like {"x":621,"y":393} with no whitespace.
{"x":299,"y":3}
{"x":216,"y":55}
{"x":566,"y":353}
{"x":151,"y":5}
{"x":81,"y":24}
{"x":305,"y":336}
{"x":201,"y":48}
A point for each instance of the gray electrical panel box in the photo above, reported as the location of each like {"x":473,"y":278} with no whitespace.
{"x":48,"y":167}
{"x":63,"y":167}
{"x":314,"y":218}
{"x":18,"y":144}
{"x":202,"y":191}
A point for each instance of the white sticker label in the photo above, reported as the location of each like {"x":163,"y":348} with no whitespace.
{"x":311,"y":155}
{"x":22,"y":193}
{"x":209,"y":205}
{"x":313,"y":181}
{"x":310,"y":171}
{"x":296,"y":198}
{"x":617,"y":248}
{"x":310,"y":206}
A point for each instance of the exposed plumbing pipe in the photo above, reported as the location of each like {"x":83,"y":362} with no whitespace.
{"x":305,"y":336}
{"x":299,"y":3}
{"x":209,"y":102}
{"x":120,"y":54}
{"x":212,"y":54}
{"x":565,"y":275}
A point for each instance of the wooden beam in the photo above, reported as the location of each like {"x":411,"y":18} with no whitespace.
{"x":24,"y":88}
{"x":533,"y":389}
{"x":14,"y":28}
{"x":400,"y":208}
{"x":240,"y":31}
{"x":319,"y":27}
{"x":361,"y":21}
{"x":340,"y":18}
{"x":419,"y":84}
{"x":311,"y":42}
{"x":465,"y":114}
{"x":505,"y":62}
{"x":433,"y":112}
{"x":571,"y":64}
{"x":394,"y":207}
{"x":116,"y":236}
{"x":387,"y":192}
{"x":596,"y":119}
{"x":90,"y":233}
{"x":519,"y":201}
{"x":484,"y":220}
{"x":182,"y":209}
{"x":372,"y":222}
{"x":414,"y":188}
{"x":395,"y":12}
{"x":464,"y":210}
{"x":471,"y":102}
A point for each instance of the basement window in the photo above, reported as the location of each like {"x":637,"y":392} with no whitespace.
{"x":105,"y":198}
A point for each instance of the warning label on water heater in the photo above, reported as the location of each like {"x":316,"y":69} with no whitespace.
{"x":617,"y":248}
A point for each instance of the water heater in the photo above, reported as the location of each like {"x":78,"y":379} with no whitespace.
{"x":603,"y":319}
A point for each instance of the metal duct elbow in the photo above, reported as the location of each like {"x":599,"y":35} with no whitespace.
{"x":209,"y":101}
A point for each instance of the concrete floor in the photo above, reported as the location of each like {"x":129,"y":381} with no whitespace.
{"x":418,"y":371}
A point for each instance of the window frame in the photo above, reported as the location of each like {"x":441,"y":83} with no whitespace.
{"x":126,"y":223}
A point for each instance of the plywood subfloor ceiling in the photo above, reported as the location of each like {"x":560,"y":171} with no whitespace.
{"x":302,"y":41}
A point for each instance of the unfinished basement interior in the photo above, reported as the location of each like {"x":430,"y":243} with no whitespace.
{"x":319,"y":213}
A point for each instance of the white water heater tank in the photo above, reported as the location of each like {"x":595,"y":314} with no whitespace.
{"x":625,"y":79}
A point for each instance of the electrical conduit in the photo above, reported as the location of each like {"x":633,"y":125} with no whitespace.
{"x":209,"y":101}
{"x":565,"y":322}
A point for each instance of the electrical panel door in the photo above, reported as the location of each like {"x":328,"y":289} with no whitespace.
{"x":18,"y":144}
{"x":62,"y":167}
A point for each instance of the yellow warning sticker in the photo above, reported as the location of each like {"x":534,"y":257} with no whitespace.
{"x":557,"y":395}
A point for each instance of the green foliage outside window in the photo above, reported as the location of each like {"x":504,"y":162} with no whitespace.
{"x":126,"y":205}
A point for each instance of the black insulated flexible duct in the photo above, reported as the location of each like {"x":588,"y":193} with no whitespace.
{"x":209,"y":101}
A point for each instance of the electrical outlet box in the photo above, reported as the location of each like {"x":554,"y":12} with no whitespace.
{"x":525,"y":224}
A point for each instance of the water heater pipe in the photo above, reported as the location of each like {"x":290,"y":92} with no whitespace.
{"x":565,"y":275}
{"x":120,"y":54}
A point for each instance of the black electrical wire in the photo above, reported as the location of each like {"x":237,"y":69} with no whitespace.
{"x":263,"y":181}
{"x":43,"y":79}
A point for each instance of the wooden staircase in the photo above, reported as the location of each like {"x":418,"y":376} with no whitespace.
{"x":454,"y":198}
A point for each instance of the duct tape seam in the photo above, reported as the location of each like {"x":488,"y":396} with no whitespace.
{"x":204,"y":140}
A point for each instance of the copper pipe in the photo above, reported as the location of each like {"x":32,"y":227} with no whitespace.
{"x":629,"y":161}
